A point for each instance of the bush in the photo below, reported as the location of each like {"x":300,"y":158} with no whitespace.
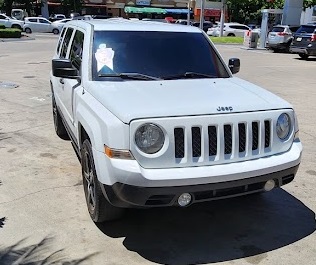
{"x":2,"y":27}
{"x":10,"y":33}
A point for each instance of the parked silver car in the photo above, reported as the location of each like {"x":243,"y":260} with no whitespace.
{"x":280,"y":37}
{"x":39,"y":24}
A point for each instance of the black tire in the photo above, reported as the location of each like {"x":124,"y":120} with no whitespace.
{"x":56,"y":31}
{"x":28,"y":30}
{"x":58,"y":123}
{"x":231,"y":35}
{"x":303,"y":55}
{"x":100,"y":209}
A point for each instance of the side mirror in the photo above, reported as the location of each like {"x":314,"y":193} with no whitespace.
{"x":63,"y":68}
{"x":234,"y":65}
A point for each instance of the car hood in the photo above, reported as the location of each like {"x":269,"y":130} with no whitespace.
{"x":129,"y":100}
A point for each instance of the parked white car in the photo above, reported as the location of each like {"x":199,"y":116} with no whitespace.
{"x":155,"y":128}
{"x":10,"y":22}
{"x":213,"y":28}
{"x":232,"y":30}
{"x":39,"y":24}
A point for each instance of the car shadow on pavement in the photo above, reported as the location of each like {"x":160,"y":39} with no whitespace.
{"x":245,"y":227}
{"x":308,"y":59}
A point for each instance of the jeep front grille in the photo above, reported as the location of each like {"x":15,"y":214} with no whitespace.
{"x":209,"y":140}
{"x":235,"y":141}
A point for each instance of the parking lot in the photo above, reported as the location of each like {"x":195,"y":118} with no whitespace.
{"x":43,"y":214}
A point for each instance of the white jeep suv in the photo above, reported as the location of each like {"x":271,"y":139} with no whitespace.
{"x":156,"y":122}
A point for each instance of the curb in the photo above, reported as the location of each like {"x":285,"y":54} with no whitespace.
{"x":23,"y":38}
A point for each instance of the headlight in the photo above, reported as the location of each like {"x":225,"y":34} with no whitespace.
{"x":149,"y":138}
{"x":283,"y":126}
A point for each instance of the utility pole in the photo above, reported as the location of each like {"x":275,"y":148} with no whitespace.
{"x":188,"y":15}
{"x":222,"y":19}
{"x":202,"y":14}
{"x":191,"y":5}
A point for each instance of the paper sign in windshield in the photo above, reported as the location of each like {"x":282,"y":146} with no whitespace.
{"x":104,"y":57}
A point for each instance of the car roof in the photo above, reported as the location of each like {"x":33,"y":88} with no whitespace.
{"x":35,"y":17}
{"x":121,"y":24}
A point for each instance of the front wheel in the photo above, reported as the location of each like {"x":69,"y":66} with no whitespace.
{"x":303,"y":55}
{"x":100,"y":209}
{"x":56,"y":31}
{"x":28,"y":30}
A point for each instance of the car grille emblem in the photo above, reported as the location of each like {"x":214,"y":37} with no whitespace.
{"x":225,"y":108}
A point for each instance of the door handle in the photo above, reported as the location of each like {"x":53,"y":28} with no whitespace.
{"x":61,"y":80}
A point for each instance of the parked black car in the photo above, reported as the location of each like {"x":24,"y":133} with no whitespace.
{"x":304,"y":41}
{"x":206,"y":25}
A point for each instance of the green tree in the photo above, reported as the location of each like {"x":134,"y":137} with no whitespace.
{"x":245,"y":11}
{"x":72,"y":5}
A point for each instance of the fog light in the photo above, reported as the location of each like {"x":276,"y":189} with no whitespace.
{"x":184,"y":199}
{"x":270,"y":184}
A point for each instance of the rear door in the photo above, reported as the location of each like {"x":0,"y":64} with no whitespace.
{"x":44,"y":25}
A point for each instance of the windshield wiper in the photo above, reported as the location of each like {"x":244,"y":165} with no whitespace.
{"x":134,"y":76}
{"x":188,"y":75}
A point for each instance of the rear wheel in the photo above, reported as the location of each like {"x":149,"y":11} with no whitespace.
{"x":100,"y":209}
{"x":16,"y":26}
{"x":303,"y":55}
{"x":55,"y":31}
{"x":28,"y":30}
{"x":231,"y":35}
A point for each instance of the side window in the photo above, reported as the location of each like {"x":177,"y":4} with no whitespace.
{"x":60,"y":40}
{"x":2,"y":17}
{"x":32,"y":20}
{"x":76,"y":49}
{"x":65,"y":43}
{"x":43,"y":21}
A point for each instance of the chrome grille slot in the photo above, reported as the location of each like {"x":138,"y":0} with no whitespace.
{"x":255,"y":135}
{"x":196,"y":141}
{"x":228,"y":139}
{"x":242,"y":137}
{"x":212,"y":139}
{"x":179,"y":142}
{"x":267,"y":133}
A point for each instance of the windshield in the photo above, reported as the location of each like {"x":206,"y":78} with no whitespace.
{"x":156,"y":55}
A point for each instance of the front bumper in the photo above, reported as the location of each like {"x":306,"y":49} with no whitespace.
{"x":123,"y":195}
{"x":309,"y":50}
{"x":126,"y":184}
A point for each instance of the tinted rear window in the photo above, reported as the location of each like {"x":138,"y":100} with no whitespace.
{"x":306,"y":29}
{"x":277,"y":29}
{"x":158,"y":54}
